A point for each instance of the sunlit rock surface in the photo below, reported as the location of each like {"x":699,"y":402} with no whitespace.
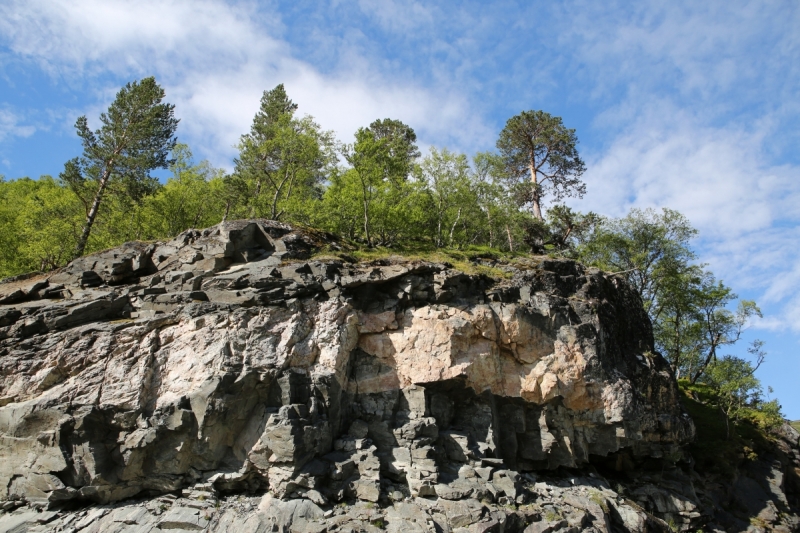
{"x":228,"y":361}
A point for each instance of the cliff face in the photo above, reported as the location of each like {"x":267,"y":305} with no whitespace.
{"x":225,"y":361}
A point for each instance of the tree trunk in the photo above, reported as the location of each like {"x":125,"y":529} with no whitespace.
{"x":87,"y":228}
{"x":537,"y":208}
{"x":275,"y":215}
{"x":366,"y":223}
{"x":491,"y":230}
{"x":727,"y":423}
{"x":453,"y":228}
{"x":712,"y":356}
{"x":510,"y":242}
{"x":255,"y":197}
{"x":196,"y":220}
{"x":676,"y":361}
{"x":439,"y":217}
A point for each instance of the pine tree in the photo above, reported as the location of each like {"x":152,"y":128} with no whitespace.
{"x":136,"y":136}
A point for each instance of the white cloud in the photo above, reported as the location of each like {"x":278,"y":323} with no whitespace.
{"x":746,"y":209}
{"x":10,"y":125}
{"x":718,"y":177}
{"x":696,"y":50}
{"x":770,"y":323}
{"x":215,"y":60}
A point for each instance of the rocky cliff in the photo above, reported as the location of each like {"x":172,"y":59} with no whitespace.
{"x":228,"y":381}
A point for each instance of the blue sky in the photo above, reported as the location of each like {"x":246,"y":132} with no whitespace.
{"x":689,"y":105}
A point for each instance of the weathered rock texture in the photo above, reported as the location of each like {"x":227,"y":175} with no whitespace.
{"x":228,"y":361}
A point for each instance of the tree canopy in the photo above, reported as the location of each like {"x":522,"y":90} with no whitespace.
{"x":688,"y":306}
{"x":381,"y":159}
{"x":281,"y":163}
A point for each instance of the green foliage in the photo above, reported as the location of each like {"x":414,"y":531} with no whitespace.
{"x":688,"y":306}
{"x":499,"y":225}
{"x":463,"y":206}
{"x":341,"y":212}
{"x":561,"y":232}
{"x":734,"y":383}
{"x":446,"y":176}
{"x":282,"y":163}
{"x":651,"y":248}
{"x":739,"y":392}
{"x":40,"y":221}
{"x":192,"y":198}
{"x":718,"y":325}
{"x":381,"y":159}
{"x":722,"y":444}
{"x":694,"y":320}
{"x":287,"y":169}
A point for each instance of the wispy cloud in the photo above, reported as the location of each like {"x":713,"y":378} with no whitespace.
{"x":698,"y":113}
{"x":10,"y":125}
{"x":215,"y":60}
{"x":695,"y":50}
{"x":719,"y":177}
{"x":400,"y":17}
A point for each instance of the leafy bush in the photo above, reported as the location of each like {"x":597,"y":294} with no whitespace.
{"x":720,"y":446}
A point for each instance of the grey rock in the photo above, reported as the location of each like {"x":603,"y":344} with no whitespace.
{"x":185,"y":518}
{"x":545,"y":526}
{"x":226,"y":362}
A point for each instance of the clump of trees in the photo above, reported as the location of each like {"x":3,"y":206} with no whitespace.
{"x":695,"y":316}
{"x":282,"y":165}
{"x":379,"y":190}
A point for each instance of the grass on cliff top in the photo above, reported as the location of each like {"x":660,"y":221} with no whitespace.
{"x":475,"y":260}
{"x":712,"y":449}
{"x":795,"y":424}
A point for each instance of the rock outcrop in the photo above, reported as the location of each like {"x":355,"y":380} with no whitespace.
{"x":228,"y":361}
